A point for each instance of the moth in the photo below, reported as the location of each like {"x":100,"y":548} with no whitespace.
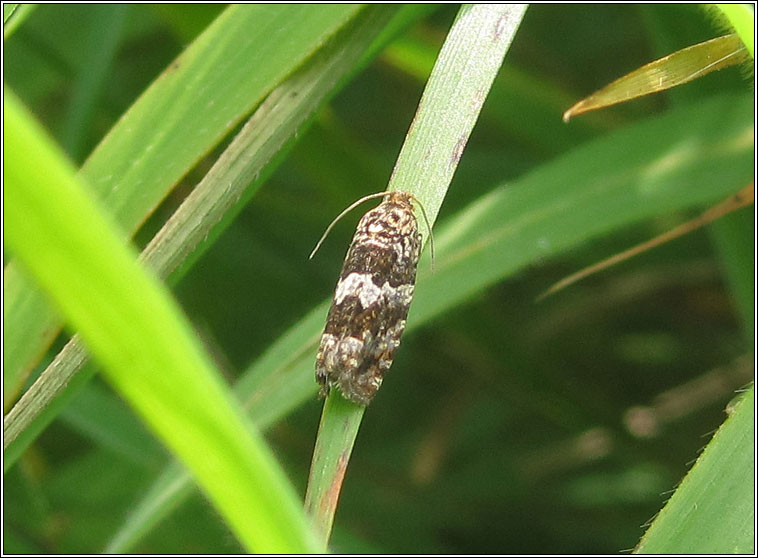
{"x":371,"y":301}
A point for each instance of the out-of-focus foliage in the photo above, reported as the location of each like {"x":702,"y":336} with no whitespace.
{"x":504,"y":425}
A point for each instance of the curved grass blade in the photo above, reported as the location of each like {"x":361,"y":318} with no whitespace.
{"x":675,"y":69}
{"x":682,"y":159}
{"x":134,"y":328}
{"x":225,"y":73}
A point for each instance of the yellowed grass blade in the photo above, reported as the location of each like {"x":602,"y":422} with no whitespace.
{"x":672,"y":70}
{"x":744,"y":197}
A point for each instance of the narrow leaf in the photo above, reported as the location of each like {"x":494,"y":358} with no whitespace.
{"x":675,"y":69}
{"x":137,"y":332}
{"x":337,"y":430}
{"x":453,"y":97}
{"x":744,"y":197}
{"x":449,"y":108}
{"x":713,"y":509}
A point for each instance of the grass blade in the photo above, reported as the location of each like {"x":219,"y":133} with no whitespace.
{"x":137,"y":332}
{"x":741,"y":199}
{"x":337,"y":430}
{"x":457,"y":88}
{"x":670,"y":71}
{"x":712,"y":511}
{"x":449,"y":108}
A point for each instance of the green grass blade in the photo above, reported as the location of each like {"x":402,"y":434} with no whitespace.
{"x":235,"y":177}
{"x":713,"y":509}
{"x":199,"y":98}
{"x":337,"y":430}
{"x":14,"y":15}
{"x":147,"y":348}
{"x":449,"y":108}
{"x":687,"y":157}
{"x":235,"y":63}
{"x":457,"y":88}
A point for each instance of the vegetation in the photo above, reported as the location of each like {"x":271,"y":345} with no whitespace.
{"x":505,"y":425}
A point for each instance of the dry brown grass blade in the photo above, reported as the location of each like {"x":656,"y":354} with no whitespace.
{"x":744,"y":197}
{"x":675,"y":69}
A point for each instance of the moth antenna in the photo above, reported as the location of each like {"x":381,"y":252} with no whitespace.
{"x":341,"y":215}
{"x":428,"y":228}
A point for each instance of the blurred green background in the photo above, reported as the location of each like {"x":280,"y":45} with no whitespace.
{"x":506,"y":425}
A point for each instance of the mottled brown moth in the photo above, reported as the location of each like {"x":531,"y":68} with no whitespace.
{"x":374,"y":292}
